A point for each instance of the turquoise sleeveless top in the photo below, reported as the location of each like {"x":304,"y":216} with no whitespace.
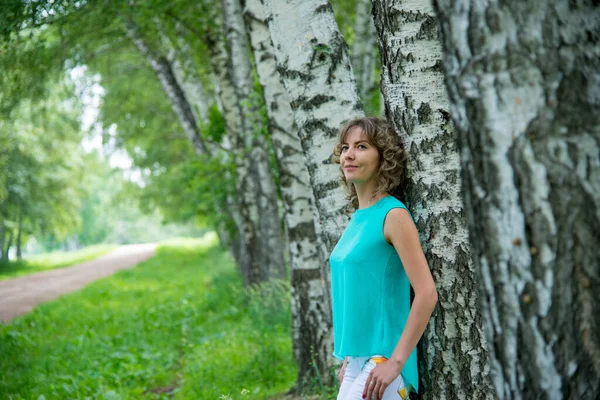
{"x":370,"y":291}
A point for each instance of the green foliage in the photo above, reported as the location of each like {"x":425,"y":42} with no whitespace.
{"x":102,"y":184}
{"x":178,"y":324}
{"x":42,"y":165}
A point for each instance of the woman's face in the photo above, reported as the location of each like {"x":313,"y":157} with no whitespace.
{"x":359,"y":159}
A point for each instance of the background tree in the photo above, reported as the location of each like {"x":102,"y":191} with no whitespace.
{"x":315,"y":68}
{"x":42,"y":187}
{"x":310,"y":297}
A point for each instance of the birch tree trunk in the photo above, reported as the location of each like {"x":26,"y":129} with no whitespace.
{"x":187,"y":73}
{"x":257,"y":184}
{"x":8,"y":245}
{"x":312,"y":59}
{"x":2,"y":240}
{"x":364,"y":50}
{"x":219,"y":63}
{"x":310,"y":296}
{"x":454,"y":361}
{"x":524,"y":83}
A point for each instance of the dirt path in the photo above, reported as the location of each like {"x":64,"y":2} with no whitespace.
{"x":20,"y":295}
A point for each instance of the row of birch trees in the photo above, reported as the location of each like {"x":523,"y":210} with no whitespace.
{"x":498,"y":103}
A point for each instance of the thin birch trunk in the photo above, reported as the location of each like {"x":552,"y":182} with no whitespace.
{"x":454,"y":360}
{"x":219,"y":60}
{"x":164,"y":71}
{"x":8,"y":245}
{"x":524,"y":83}
{"x":2,"y":240}
{"x":19,"y":235}
{"x":310,"y":296}
{"x":257,"y":184}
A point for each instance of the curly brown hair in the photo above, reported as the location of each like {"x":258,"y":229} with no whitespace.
{"x":392,"y":157}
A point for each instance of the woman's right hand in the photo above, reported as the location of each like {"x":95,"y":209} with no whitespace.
{"x":342,"y":370}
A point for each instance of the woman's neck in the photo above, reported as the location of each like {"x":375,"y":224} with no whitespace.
{"x":365,"y":194}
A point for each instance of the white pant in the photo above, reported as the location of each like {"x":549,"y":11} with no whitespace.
{"x":355,"y":376}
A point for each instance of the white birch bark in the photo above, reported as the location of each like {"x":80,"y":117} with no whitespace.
{"x":181,"y":58}
{"x":454,"y":362}
{"x":187,"y":72}
{"x":313,"y":62}
{"x":219,"y":62}
{"x":257,"y":184}
{"x":364,"y":50}
{"x":310,"y":299}
{"x":524,"y":82}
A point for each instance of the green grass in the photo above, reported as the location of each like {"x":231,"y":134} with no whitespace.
{"x":179,"y":325}
{"x":57,"y":259}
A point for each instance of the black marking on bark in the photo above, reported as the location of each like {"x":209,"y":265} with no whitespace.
{"x":328,"y":160}
{"x":424,"y":113}
{"x":303,"y":230}
{"x":295,"y":104}
{"x":437,"y":67}
{"x":293,"y":74}
{"x":316,"y":101}
{"x":319,"y":125}
{"x":265,"y":56}
{"x":493,"y":19}
{"x":428,"y":29}
{"x":408,"y":120}
{"x":303,"y":275}
{"x":446,"y":116}
{"x":322,"y":189}
{"x":324,"y":8}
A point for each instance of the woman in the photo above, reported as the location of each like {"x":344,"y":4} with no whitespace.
{"x":373,"y":265}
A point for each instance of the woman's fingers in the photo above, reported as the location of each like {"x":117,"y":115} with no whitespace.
{"x":341,"y":373}
{"x":381,"y":390}
{"x":377,"y":390}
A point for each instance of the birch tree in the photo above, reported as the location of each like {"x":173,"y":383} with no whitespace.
{"x":314,"y":65}
{"x":310,"y":298}
{"x":524,"y":84}
{"x":454,"y":362}
{"x":164,"y":72}
{"x":255,"y":179}
{"x":312,"y":59}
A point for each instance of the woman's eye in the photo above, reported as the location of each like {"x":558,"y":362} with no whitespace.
{"x":362,"y":145}
{"x":344,"y":148}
